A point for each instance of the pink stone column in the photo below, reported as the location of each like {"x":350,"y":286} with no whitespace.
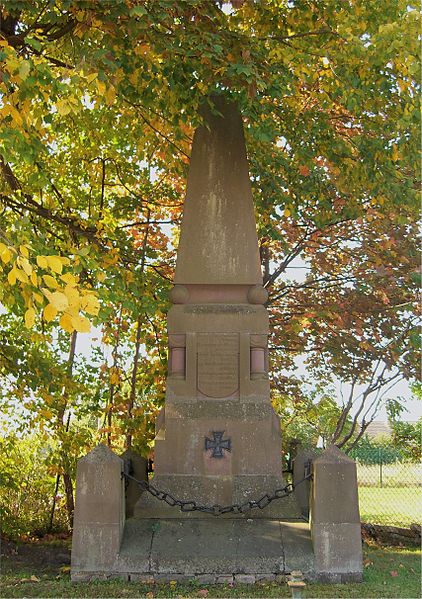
{"x":177,"y":356}
{"x":259,"y":367}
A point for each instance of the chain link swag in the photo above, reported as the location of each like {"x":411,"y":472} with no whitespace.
{"x":216,"y":510}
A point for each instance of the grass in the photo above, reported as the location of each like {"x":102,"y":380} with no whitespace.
{"x":397,"y":474}
{"x":399,"y":506}
{"x":389,"y":572}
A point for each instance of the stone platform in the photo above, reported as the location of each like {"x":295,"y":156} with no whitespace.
{"x":210,"y":550}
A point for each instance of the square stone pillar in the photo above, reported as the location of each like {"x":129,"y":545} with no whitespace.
{"x":335,"y":520}
{"x":303,"y":458}
{"x":99,"y":514}
{"x":139,"y":470}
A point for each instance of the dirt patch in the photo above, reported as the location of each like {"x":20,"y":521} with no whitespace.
{"x":43,"y":555}
{"x":392,"y":535}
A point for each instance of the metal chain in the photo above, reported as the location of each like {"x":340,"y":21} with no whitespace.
{"x":216,"y":509}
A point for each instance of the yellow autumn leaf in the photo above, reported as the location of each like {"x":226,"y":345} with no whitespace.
{"x":15,"y":115}
{"x":69,"y":279}
{"x":101,"y":276}
{"x":63,"y":107}
{"x":38,"y":298}
{"x":73,"y":297}
{"x":101,"y":87}
{"x":90,"y":304}
{"x":11,"y":277}
{"x":395,"y":153}
{"x":24,"y":251}
{"x":29,"y":318}
{"x":81,"y":324}
{"x":90,"y":78}
{"x":24,"y":68}
{"x":24,"y":262}
{"x":5,"y":255}
{"x":34,"y":279}
{"x":66,"y":323}
{"x":114,"y":378}
{"x":287,"y":212}
{"x":55,"y":263}
{"x":110,"y":95}
{"x":50,"y":312}
{"x":42,"y":262}
{"x":50,"y":281}
{"x":59,"y":301}
{"x":21,"y":276}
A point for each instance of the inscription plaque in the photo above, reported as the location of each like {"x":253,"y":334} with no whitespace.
{"x":218,"y":364}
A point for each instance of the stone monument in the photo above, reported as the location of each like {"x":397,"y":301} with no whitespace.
{"x":218,"y":437}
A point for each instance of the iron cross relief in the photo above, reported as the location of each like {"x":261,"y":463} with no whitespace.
{"x":217,"y":444}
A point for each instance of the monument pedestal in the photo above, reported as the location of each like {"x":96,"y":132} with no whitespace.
{"x":218,"y":438}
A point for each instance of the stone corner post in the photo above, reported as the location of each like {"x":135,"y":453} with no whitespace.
{"x":99,"y":514}
{"x":335,"y":520}
{"x":139,"y":470}
{"x":301,"y":462}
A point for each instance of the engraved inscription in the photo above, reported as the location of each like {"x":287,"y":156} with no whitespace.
{"x":218,"y":364}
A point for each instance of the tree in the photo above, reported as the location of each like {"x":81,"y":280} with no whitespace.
{"x":99,"y":103}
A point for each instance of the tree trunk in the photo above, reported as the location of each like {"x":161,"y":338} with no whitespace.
{"x":132,"y":393}
{"x":70,"y":503}
{"x":66,"y":477}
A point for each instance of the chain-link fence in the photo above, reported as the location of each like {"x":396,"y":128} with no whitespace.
{"x":390,"y":490}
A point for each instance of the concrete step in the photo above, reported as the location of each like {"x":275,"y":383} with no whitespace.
{"x":214,"y":550}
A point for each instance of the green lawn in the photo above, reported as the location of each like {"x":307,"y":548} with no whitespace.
{"x":399,"y":506}
{"x":389,"y":572}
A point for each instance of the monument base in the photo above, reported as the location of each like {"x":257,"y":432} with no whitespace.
{"x":209,"y":551}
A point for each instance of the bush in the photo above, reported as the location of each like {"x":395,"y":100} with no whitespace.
{"x":27,"y":487}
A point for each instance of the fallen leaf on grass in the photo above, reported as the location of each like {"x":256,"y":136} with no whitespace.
{"x":394,"y":573}
{"x":150,"y":595}
{"x":32,"y":579}
{"x":203,"y":593}
{"x":65,"y":569}
{"x":367,"y":563}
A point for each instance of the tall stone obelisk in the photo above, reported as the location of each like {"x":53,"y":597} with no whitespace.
{"x":218,"y":437}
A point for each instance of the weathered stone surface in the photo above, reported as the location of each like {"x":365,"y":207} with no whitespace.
{"x":224,"y":579}
{"x":265,"y":577}
{"x":206,"y":578}
{"x":335,"y":521}
{"x":218,"y":364}
{"x":302,"y":490}
{"x":135,"y":550}
{"x":194,"y":547}
{"x":218,"y":220}
{"x":297,"y":546}
{"x":245,"y":578}
{"x":222,"y":489}
{"x":139,"y":471}
{"x":99,"y":512}
{"x":212,"y":547}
